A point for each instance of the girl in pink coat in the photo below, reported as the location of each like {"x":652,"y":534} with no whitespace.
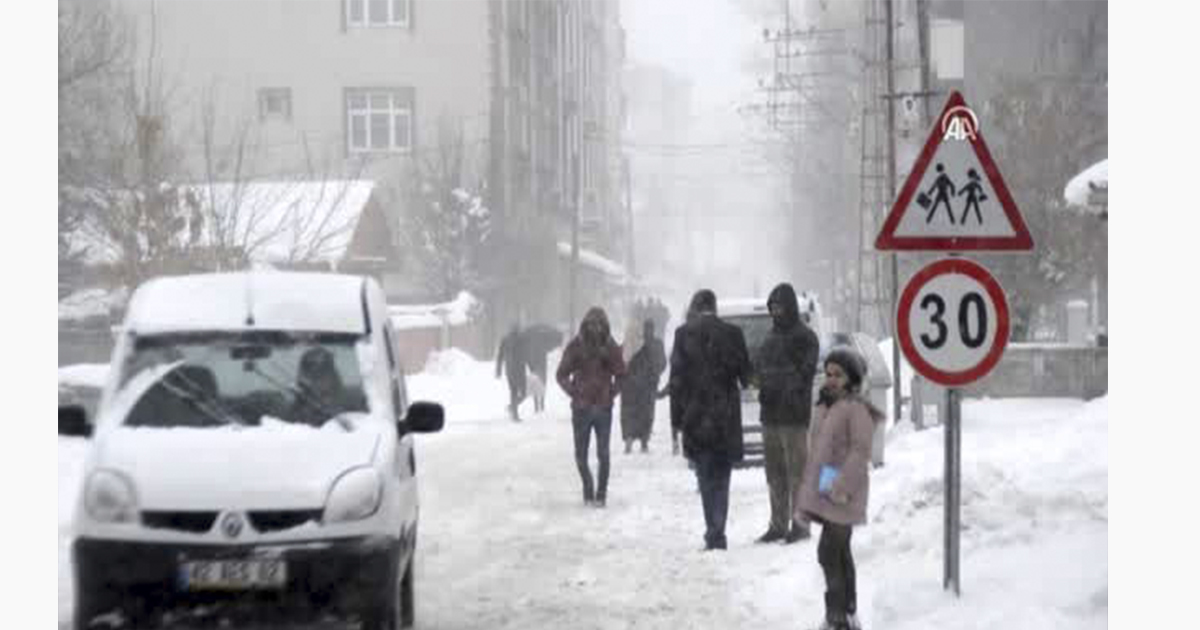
{"x":836,"y":480}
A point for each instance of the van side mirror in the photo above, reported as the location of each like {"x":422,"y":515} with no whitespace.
{"x":423,"y":417}
{"x":72,"y":422}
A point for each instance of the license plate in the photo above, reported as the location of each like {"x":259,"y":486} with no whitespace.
{"x":199,"y":575}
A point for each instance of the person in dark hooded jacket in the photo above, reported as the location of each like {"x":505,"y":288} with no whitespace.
{"x":511,"y":357}
{"x":709,"y":365}
{"x":590,"y":372}
{"x":786,"y":365}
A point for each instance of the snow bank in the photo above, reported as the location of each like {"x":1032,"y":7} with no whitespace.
{"x":1035,"y":517}
{"x":470,"y":392}
{"x":1078,"y":190}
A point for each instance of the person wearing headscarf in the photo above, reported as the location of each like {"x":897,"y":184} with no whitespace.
{"x":639,"y":388}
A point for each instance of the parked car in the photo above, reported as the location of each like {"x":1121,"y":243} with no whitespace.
{"x":751,"y":315}
{"x":252,"y":452}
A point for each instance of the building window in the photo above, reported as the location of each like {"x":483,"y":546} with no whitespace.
{"x":275,"y":104}
{"x":377,"y":13}
{"x":379,"y":121}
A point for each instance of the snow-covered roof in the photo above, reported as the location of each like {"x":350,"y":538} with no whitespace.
{"x":291,"y":221}
{"x":312,"y":302}
{"x":278,"y":221}
{"x":613,"y":270}
{"x":456,"y":313}
{"x":1079,"y":190}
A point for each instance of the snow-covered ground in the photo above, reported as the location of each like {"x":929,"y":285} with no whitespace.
{"x":505,"y":541}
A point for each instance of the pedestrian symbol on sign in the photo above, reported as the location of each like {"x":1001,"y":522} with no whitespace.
{"x":953,"y":180}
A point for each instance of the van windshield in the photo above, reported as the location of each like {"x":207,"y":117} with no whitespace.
{"x":216,"y":379}
{"x":754,"y":328}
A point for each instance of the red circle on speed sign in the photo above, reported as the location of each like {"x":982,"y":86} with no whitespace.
{"x":952,"y":321}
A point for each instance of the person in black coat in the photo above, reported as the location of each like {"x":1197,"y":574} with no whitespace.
{"x":639,"y":388}
{"x":512,"y":358}
{"x":786,"y":365}
{"x":709,"y":365}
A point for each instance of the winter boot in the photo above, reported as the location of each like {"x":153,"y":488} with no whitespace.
{"x":628,"y":446}
{"x":645,"y":447}
{"x":796,"y":534}
{"x":770,"y":536}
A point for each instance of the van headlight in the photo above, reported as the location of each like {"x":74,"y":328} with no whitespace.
{"x":354,"y":496}
{"x":109,"y":497}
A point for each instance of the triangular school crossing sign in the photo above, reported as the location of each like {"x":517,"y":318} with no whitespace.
{"x":954,"y":198}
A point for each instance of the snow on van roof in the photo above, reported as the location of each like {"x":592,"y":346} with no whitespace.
{"x":748,"y":306}
{"x":289,"y":301}
{"x":741,"y":306}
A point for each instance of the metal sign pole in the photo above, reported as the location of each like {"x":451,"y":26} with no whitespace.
{"x":953,"y":482}
{"x":947,"y":498}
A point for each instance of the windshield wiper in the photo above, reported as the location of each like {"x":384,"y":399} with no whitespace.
{"x":201,"y":401}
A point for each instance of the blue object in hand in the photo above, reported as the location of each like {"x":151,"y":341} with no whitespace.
{"x":825,"y":481}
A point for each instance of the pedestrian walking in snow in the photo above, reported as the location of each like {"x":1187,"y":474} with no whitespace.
{"x":590,"y":372}
{"x":837,"y":480}
{"x":709,"y":365}
{"x":511,"y":359}
{"x":540,"y":340}
{"x":785,"y":365}
{"x":639,"y":389}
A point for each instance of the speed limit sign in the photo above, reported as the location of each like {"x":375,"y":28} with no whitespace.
{"x":952,"y":321}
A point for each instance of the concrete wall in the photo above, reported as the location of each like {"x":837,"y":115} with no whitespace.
{"x":1027,"y":370}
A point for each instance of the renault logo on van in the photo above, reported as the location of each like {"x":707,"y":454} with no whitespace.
{"x":232,"y":525}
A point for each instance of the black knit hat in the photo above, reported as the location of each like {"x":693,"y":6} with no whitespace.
{"x":851,"y":363}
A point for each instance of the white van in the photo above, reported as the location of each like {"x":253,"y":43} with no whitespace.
{"x":252,"y":457}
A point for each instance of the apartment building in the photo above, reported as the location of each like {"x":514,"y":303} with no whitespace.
{"x":361,"y":89}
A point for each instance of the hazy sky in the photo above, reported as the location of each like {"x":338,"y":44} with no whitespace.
{"x":705,"y":40}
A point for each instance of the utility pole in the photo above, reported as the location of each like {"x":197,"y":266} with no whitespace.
{"x":891,"y":190}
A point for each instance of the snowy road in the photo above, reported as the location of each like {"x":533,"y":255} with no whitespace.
{"x":523,"y":551}
{"x":505,"y":542}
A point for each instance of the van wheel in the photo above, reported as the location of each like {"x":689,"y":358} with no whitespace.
{"x":91,"y":600}
{"x":407,"y":599}
{"x":393,"y":608}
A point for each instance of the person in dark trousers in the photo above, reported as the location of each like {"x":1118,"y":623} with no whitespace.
{"x":590,"y":372}
{"x":709,"y":365}
{"x":786,"y":365}
{"x":639,"y":389}
{"x":540,"y":340}
{"x":837,"y":480}
{"x":511,"y":357}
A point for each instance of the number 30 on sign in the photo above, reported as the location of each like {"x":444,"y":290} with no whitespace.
{"x":952,"y":322}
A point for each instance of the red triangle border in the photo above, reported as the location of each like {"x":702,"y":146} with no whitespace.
{"x":887,"y":239}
